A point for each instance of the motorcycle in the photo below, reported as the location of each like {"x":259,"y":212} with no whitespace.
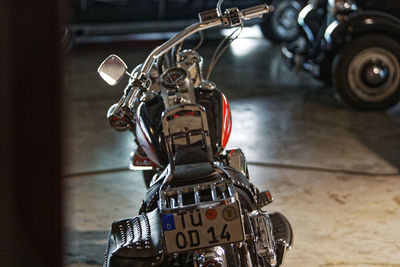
{"x":201,"y":208}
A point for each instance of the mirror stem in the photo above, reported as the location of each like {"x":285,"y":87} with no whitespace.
{"x":130,"y":75}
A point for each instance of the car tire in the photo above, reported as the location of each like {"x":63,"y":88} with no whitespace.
{"x":281,"y":24}
{"x":366,"y":72}
{"x":148,"y":177}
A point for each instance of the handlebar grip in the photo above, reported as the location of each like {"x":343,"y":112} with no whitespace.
{"x":254,"y":11}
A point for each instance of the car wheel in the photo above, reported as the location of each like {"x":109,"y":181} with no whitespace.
{"x":148,"y":176}
{"x":281,"y":24}
{"x":366,"y":72}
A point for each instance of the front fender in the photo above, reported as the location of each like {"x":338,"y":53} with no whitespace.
{"x":339,"y":33}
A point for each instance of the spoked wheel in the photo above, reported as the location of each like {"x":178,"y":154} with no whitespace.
{"x":281,"y":25}
{"x":366,"y":72}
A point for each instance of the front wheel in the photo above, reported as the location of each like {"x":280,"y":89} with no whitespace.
{"x":366,"y":72}
{"x":281,"y":24}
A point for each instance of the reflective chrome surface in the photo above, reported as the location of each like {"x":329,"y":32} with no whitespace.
{"x":193,"y":63}
{"x":237,"y":160}
{"x":186,"y":130}
{"x":214,"y":194}
{"x":265,"y":243}
{"x":212,"y":257}
{"x":112,"y":69}
{"x":177,"y":88}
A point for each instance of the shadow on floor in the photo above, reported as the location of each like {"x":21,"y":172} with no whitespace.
{"x":379,"y":132}
{"x":85,"y":247}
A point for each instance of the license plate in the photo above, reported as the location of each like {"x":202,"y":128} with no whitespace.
{"x":206,"y":227}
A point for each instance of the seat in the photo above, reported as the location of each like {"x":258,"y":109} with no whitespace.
{"x":193,"y":173}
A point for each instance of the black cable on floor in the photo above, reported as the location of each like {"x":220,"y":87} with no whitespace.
{"x":254,"y":163}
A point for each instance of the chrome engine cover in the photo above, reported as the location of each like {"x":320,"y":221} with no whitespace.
{"x":264,"y":238}
{"x":214,"y":256}
{"x":273,"y":236}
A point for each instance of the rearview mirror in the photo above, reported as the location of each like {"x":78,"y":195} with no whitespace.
{"x":112,"y":69}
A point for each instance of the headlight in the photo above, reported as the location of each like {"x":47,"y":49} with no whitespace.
{"x":342,"y":6}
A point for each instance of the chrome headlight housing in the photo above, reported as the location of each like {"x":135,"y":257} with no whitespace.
{"x":342,"y":6}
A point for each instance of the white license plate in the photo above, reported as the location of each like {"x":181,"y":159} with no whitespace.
{"x":202,"y":228}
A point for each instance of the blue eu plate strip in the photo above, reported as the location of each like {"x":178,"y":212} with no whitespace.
{"x":168,"y":222}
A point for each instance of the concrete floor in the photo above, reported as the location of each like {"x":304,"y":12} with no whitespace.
{"x":333,"y":171}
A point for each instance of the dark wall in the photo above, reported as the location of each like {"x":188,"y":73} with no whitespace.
{"x":30,"y":142}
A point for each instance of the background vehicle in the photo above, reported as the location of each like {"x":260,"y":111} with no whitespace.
{"x":355,"y":46}
{"x":280,"y":25}
{"x":110,"y":17}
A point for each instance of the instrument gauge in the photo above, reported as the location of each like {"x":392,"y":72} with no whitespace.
{"x":174,"y":78}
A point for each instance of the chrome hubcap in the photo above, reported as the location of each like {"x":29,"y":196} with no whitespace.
{"x":374,"y":74}
{"x":285,"y":19}
{"x":288,"y":19}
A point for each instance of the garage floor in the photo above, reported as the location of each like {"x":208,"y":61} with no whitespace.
{"x":333,"y":171}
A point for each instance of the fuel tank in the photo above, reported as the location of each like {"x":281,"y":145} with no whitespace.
{"x":149,"y":127}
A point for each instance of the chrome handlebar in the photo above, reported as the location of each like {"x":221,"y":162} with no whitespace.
{"x":254,"y":12}
{"x":208,"y":19}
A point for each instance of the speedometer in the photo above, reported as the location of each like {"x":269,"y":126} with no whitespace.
{"x":176,"y":87}
{"x":174,"y":77}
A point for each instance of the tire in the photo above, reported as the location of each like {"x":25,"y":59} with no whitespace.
{"x":148,"y":176}
{"x":366,"y":72}
{"x":281,"y":24}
